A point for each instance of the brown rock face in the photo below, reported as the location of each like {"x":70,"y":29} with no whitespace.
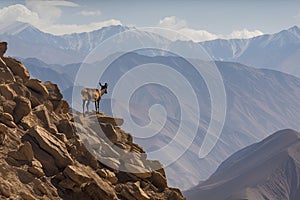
{"x":23,"y":108}
{"x":52,"y":145}
{"x":48,"y":153}
{"x":17,"y":68}
{"x":3,"y":48}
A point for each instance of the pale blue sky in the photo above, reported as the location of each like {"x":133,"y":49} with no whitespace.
{"x":220,"y":18}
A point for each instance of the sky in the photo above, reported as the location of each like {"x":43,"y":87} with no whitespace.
{"x":197,"y":19}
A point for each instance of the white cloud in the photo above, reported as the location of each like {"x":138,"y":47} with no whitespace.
{"x":89,"y":13}
{"x":48,"y":10}
{"x":21,"y":13}
{"x":172,"y":23}
{"x":186,"y":33}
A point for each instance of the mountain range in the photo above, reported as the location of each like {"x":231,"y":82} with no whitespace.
{"x":279,"y":51}
{"x":260,"y":101}
{"x":266,"y":170}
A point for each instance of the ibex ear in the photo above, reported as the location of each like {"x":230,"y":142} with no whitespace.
{"x":100,"y":84}
{"x":105,"y":84}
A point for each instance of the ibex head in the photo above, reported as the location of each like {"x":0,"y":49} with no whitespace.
{"x":104,"y":87}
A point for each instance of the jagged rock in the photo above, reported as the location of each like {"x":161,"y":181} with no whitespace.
{"x":155,"y":165}
{"x":68,"y":184}
{"x":17,"y":68}
{"x":20,"y":89}
{"x":43,"y":115}
{"x":61,"y":106}
{"x":6,"y":75}
{"x":23,"y":108}
{"x":99,"y":188}
{"x":107,"y":174}
{"x":7,"y":105}
{"x":133,"y":191}
{"x":29,"y":121}
{"x":159,"y":180}
{"x":77,"y":174}
{"x":51,"y":145}
{"x":27,"y":196}
{"x":110,"y":132}
{"x":3,"y":131}
{"x":66,"y":127}
{"x":5,"y":187}
{"x":7,"y":92}
{"x":81,"y":154}
{"x":39,"y":187}
{"x":110,"y":120}
{"x":36,"y":168}
{"x":24,"y":153}
{"x":39,"y":92}
{"x":53,"y":90}
{"x":138,"y":171}
{"x":7,"y":119}
{"x":3,"y":48}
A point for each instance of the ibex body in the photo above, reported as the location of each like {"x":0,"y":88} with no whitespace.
{"x":92,"y":95}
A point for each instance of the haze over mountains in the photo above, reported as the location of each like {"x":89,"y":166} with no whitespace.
{"x":265,"y":170}
{"x":279,"y":51}
{"x":260,"y":101}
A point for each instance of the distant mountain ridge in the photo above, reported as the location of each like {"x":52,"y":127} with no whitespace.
{"x":266,"y":170}
{"x":279,"y":51}
{"x":260,"y":101}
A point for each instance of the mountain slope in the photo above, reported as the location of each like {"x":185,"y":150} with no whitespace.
{"x":266,"y":170}
{"x":259,"y":103}
{"x":46,"y":152}
{"x":279,"y":51}
{"x":54,"y":49}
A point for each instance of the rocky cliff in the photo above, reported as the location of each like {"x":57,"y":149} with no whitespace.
{"x":46,"y":152}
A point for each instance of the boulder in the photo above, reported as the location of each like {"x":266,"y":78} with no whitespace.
{"x":3,"y":131}
{"x":52,"y":145}
{"x":36,"y":168}
{"x":8,"y":106}
{"x":77,"y":174}
{"x":3,"y":48}
{"x":159,"y":180}
{"x":6,"y":75}
{"x":42,"y":114}
{"x":133,"y":191}
{"x":5,"y":187}
{"x":7,"y":92}
{"x":66,"y":127}
{"x":107,"y":174}
{"x":99,"y":188}
{"x":39,"y":92}
{"x":24,"y":152}
{"x":53,"y":90}
{"x":7,"y":119}
{"x":110,"y":132}
{"x":23,"y":108}
{"x":61,"y":106}
{"x":138,"y":171}
{"x":110,"y":120}
{"x":17,"y":68}
{"x":20,"y":89}
{"x":29,"y":121}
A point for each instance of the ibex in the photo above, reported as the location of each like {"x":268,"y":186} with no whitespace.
{"x":93,"y":95}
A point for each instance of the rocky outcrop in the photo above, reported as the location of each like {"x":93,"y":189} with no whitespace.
{"x":46,"y":152}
